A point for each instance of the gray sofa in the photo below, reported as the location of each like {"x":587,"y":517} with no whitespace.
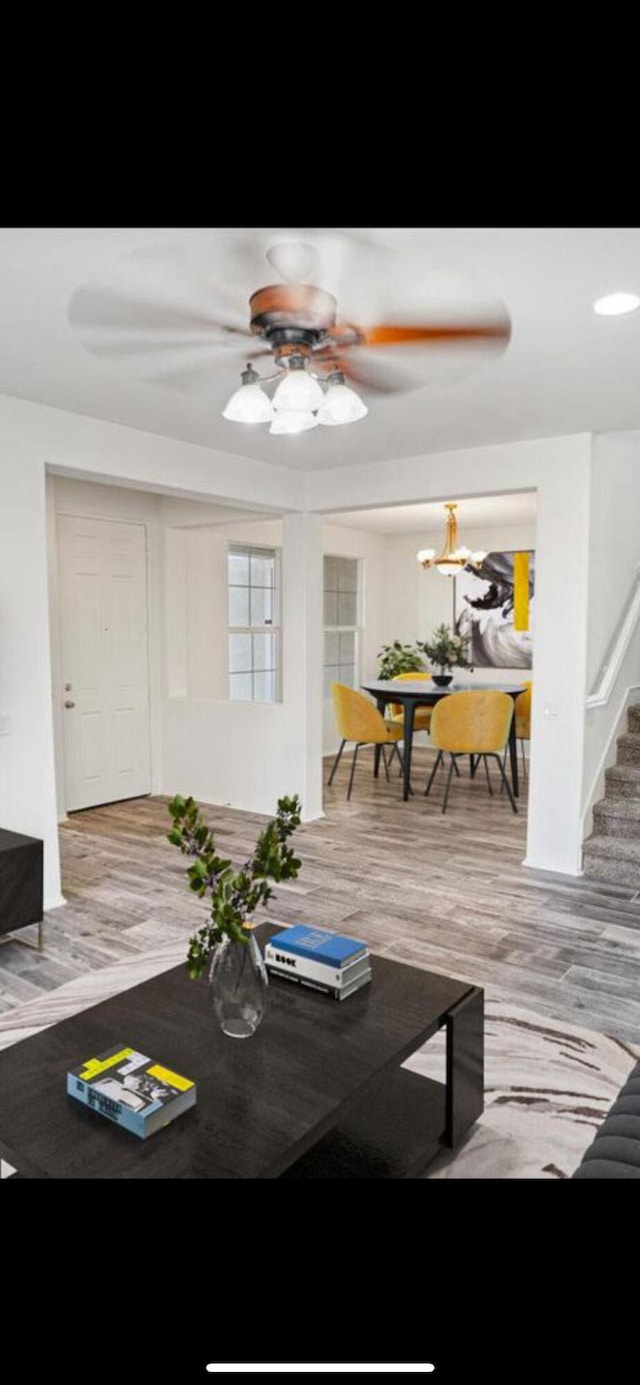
{"x":615,"y":1151}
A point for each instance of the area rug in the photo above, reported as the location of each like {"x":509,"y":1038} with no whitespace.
{"x":548,"y":1086}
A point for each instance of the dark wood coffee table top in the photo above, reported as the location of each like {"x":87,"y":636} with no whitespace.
{"x":261,"y":1102}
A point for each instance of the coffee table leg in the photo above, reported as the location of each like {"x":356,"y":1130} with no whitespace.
{"x":465,"y":1066}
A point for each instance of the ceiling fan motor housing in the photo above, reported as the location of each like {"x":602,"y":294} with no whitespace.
{"x":292,"y":318}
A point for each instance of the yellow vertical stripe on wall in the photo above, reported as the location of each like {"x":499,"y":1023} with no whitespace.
{"x":521,"y":591}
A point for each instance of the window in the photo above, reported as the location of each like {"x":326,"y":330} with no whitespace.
{"x":341,"y":622}
{"x":254,"y":634}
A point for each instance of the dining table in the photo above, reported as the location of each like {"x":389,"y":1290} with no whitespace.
{"x":409,"y":695}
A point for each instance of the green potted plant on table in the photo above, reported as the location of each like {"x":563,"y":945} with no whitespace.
{"x":399,"y":658}
{"x":446,"y":651}
{"x":225,"y":945}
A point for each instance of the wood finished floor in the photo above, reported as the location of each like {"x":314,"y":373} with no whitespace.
{"x":447,"y":893}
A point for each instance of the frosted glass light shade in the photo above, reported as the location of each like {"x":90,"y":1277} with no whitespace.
{"x":448,"y":569}
{"x":478,"y":557}
{"x":425,"y":555}
{"x":249,"y":404}
{"x":300,"y":391}
{"x":341,"y":405}
{"x":293,"y":421}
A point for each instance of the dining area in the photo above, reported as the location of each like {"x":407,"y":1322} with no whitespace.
{"x":474,"y":722}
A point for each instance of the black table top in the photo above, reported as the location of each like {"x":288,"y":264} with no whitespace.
{"x":261,"y":1102}
{"x":423,"y":691}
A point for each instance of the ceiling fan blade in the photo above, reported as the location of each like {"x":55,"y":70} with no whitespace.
{"x":346,"y":334}
{"x":440,"y":333}
{"x":369,"y":373}
{"x":99,"y":308}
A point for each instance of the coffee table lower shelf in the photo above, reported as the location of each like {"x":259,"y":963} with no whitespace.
{"x":395,"y":1133}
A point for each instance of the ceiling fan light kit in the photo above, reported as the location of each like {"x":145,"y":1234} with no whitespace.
{"x":294,"y":323}
{"x":454,"y":556}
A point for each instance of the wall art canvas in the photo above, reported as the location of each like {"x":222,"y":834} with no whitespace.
{"x":484,"y":610}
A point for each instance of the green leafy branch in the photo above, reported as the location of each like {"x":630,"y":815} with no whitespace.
{"x":235,"y":895}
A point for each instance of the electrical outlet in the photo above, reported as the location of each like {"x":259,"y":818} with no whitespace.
{"x":551,"y":710}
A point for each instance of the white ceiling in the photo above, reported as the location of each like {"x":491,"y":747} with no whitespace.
{"x":476,"y":513}
{"x":566,"y":370}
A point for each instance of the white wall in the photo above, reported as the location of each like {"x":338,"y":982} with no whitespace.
{"x":242,"y":754}
{"x":559,"y":470}
{"x":33,"y":436}
{"x":614,"y":539}
{"x":614,"y":556}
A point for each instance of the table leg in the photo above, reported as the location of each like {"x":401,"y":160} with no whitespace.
{"x":513,"y":755}
{"x":380,"y":704}
{"x":465,"y":1066}
{"x":409,"y":711}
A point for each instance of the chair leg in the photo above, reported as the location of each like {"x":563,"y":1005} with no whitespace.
{"x":353,"y":769}
{"x":504,"y":766}
{"x":337,"y":761}
{"x":449,"y":778}
{"x":473,"y":765}
{"x":524,"y":761}
{"x":433,"y":773}
{"x":486,"y":770}
{"x":455,"y":766}
{"x":384,"y":761}
{"x":505,"y":782}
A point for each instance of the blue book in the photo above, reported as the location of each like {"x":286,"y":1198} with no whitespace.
{"x":320,"y":946}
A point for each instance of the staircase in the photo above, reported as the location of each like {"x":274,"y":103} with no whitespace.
{"x":612,"y":852}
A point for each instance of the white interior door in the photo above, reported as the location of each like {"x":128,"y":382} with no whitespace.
{"x":105,"y":680}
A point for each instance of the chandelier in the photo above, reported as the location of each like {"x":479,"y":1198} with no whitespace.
{"x":453,"y":558}
{"x":299,"y":402}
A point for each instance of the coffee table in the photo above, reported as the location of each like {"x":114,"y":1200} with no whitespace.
{"x":318,"y":1092}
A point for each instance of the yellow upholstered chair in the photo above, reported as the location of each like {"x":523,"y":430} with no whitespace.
{"x":359,"y":721}
{"x":422,"y":715}
{"x":472,"y":723}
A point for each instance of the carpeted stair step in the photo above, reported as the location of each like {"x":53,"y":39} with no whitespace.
{"x":612,"y":858}
{"x":622,"y":781}
{"x":618,"y":817}
{"x":634,"y":718}
{"x":629,"y":749}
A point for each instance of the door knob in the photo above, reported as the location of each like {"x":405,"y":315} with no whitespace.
{"x":69,"y":704}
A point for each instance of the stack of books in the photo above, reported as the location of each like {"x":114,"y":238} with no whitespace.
{"x":325,"y":961}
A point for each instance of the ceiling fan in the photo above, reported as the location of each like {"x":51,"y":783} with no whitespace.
{"x":294,"y":322}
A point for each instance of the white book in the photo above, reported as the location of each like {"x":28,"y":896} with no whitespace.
{"x":288,"y":964}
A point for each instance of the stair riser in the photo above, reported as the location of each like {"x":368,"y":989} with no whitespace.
{"x":629,"y":752}
{"x":618,"y":872}
{"x":606,"y":826}
{"x":621,"y":788}
{"x":634,"y":719}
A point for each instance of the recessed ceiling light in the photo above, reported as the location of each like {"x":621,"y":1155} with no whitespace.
{"x":614,"y":304}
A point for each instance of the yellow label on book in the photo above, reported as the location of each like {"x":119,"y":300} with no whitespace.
{"x":93,"y":1065}
{"x":182,"y":1083}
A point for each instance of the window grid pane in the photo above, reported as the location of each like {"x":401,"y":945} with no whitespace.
{"x":253,"y":632}
{"x":341,"y":615}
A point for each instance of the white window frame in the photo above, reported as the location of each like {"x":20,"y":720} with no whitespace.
{"x":358,"y":628}
{"x":274,"y":629}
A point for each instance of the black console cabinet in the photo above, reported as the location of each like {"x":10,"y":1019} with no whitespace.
{"x":21,"y":873}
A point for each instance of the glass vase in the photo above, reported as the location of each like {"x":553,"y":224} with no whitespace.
{"x":239,"y":982}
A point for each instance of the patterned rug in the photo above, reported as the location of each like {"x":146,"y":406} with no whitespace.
{"x":548,"y":1086}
